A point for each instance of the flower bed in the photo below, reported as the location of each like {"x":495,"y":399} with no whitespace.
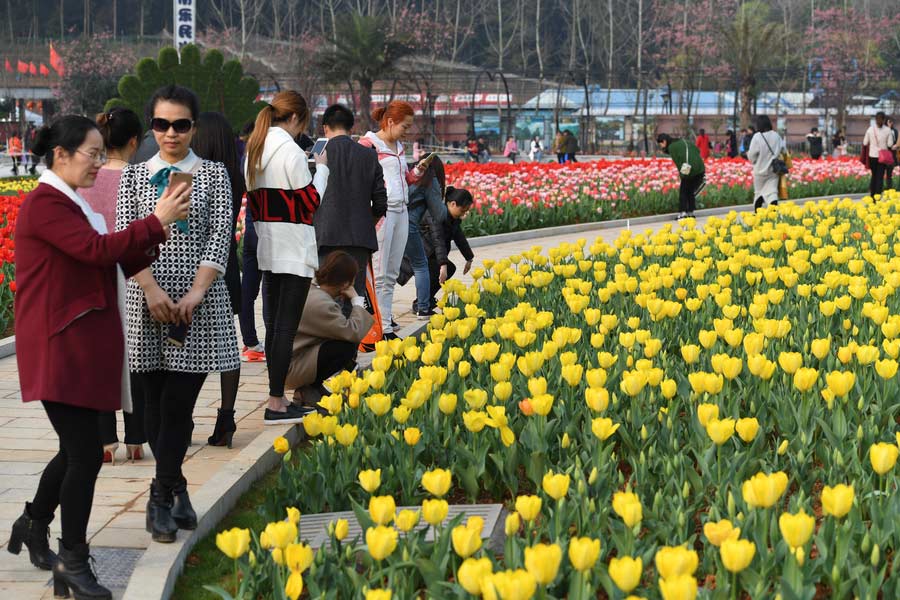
{"x":682,"y":410}
{"x":534,"y":195}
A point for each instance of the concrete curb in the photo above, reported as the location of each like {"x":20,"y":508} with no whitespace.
{"x":7,"y":346}
{"x":159,"y":567}
{"x":530,"y":234}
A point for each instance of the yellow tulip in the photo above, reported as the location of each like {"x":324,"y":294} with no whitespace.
{"x":706,"y":413}
{"x":840,"y":382}
{"x":512,"y":524}
{"x":680,"y":587}
{"x":672,"y":561}
{"x":411,"y":435}
{"x":382,"y":541}
{"x":597,"y":399}
{"x":583,"y":553}
{"x":370,"y":480}
{"x":820,"y":347}
{"x":626,"y":572}
{"x":720,"y":430}
{"x":867,"y":354}
{"x":805,"y":378}
{"x":763,"y":490}
{"x":294,"y":586}
{"x":886,"y":368}
{"x":378,"y":594}
{"x":234,"y":543}
{"x":312,"y":424}
{"x":435,"y":511}
{"x":466,"y":540}
{"x":883,"y":457}
{"x":464,"y":368}
{"x":509,"y":585}
{"x":838,"y":500}
{"x":341,"y":529}
{"x":382,"y":509}
{"x":790,"y":362}
{"x":298,"y":557}
{"x":747,"y":428}
{"x":528,"y":507}
{"x":537,"y":386}
{"x":628,"y":506}
{"x":447,"y":403}
{"x":556,"y":485}
{"x":668,"y":388}
{"x":475,"y":421}
{"x":472,"y":573}
{"x":293,"y":515}
{"x":542,"y":404}
{"x":332,"y":403}
{"x":281,"y":445}
{"x":379,"y":404}
{"x":596,"y":378}
{"x":603,"y":428}
{"x":720,"y":531}
{"x":737,"y":554}
{"x":346,"y":434}
{"x":542,"y":561}
{"x":796,"y":528}
{"x":329,"y":425}
{"x":279,"y":534}
{"x":407,"y":519}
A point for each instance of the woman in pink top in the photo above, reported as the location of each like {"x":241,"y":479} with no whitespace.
{"x":511,"y":150}
{"x":121,"y":130}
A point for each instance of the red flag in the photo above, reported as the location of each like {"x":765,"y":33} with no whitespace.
{"x":32,"y":69}
{"x":56,"y":61}
{"x":22,"y":67}
{"x":44,"y":70}
{"x":9,"y":68}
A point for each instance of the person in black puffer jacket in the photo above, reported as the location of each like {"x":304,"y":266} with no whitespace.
{"x":437,"y":237}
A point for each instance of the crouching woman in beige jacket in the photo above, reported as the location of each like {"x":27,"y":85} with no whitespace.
{"x":327,"y":340}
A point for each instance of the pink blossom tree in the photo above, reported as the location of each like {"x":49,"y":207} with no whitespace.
{"x":93,"y":67}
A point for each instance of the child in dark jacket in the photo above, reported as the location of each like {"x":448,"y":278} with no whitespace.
{"x":436,"y":236}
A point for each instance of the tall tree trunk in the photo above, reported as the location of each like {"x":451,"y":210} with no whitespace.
{"x":143,"y":16}
{"x":86,"y":27}
{"x":746,"y":100}
{"x":115,"y":17}
{"x":365,"y":103}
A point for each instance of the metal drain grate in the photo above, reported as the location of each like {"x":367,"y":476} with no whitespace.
{"x":314,"y":528}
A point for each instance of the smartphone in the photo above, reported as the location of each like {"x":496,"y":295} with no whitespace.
{"x":318,"y":146}
{"x":426,"y":162}
{"x":177,"y":334}
{"x":176,"y":177}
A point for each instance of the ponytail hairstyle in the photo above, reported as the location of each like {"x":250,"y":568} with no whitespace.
{"x":459,"y":197}
{"x":337,"y":270}
{"x":67,"y":132}
{"x":283,"y":106}
{"x":118,"y":127}
{"x":435,"y":169}
{"x":396,"y":110}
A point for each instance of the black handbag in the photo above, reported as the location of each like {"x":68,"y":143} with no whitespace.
{"x":779,"y":166}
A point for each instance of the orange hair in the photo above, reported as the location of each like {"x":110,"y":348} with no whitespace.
{"x":283,"y":106}
{"x":397,"y":110}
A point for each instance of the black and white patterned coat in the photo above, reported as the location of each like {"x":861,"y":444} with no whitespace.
{"x":211,"y":343}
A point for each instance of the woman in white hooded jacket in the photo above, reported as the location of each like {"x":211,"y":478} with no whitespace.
{"x":395,"y":120}
{"x":283,"y":197}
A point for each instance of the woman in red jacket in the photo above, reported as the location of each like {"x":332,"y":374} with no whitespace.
{"x":70,"y":275}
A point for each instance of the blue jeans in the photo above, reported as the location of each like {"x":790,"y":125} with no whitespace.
{"x":250,"y":282}
{"x":415,"y":250}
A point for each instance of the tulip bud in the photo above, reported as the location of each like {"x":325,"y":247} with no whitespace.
{"x":859,"y":433}
{"x":642,"y":459}
{"x":803,"y":437}
{"x":859,"y":405}
{"x":582,"y":488}
{"x":621,"y":478}
{"x":801,"y":456}
{"x":644,"y":432}
{"x":405,"y":553}
{"x":838,"y":458}
{"x":669,"y":469}
{"x":686,"y":490}
{"x":681,"y":518}
{"x":876,"y":555}
{"x":669,"y":423}
{"x":730,"y":504}
{"x":835,"y":575}
{"x":800,"y":555}
{"x":592,"y":478}
{"x":866,"y":543}
{"x":753,"y":407}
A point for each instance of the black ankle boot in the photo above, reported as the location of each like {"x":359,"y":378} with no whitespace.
{"x":35,"y":534}
{"x":160,"y":523}
{"x":224,"y":430}
{"x":73,"y":572}
{"x":182,"y":512}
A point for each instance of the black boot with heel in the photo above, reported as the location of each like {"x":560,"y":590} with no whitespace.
{"x":160,"y":524}
{"x":73,"y":573}
{"x":182,"y":511}
{"x":35,"y":535}
{"x":224,"y":430}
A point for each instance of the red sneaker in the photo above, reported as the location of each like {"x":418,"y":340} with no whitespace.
{"x":255,"y":354}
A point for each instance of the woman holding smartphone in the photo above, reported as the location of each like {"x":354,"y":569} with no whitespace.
{"x":185,"y":287}
{"x":71,"y":274}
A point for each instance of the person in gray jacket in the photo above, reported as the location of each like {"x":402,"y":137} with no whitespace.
{"x":355,"y":198}
{"x":326,"y":340}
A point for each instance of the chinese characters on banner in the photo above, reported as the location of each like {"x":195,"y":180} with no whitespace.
{"x":185,"y":22}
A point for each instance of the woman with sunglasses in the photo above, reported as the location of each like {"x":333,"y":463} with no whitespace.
{"x":180,"y":326}
{"x":71,"y":274}
{"x":283,"y":197}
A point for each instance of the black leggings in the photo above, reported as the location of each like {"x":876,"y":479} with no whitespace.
{"x":134,"y":424}
{"x":876,"y":184}
{"x":169,"y":398}
{"x":69,"y":478}
{"x":687,"y":193}
{"x":334,"y":356}
{"x":286,"y":295}
{"x":434,"y":272}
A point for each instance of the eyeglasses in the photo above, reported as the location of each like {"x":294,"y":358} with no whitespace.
{"x":179,"y":125}
{"x":99,"y":158}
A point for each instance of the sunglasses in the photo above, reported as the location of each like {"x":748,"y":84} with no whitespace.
{"x":179,"y":125}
